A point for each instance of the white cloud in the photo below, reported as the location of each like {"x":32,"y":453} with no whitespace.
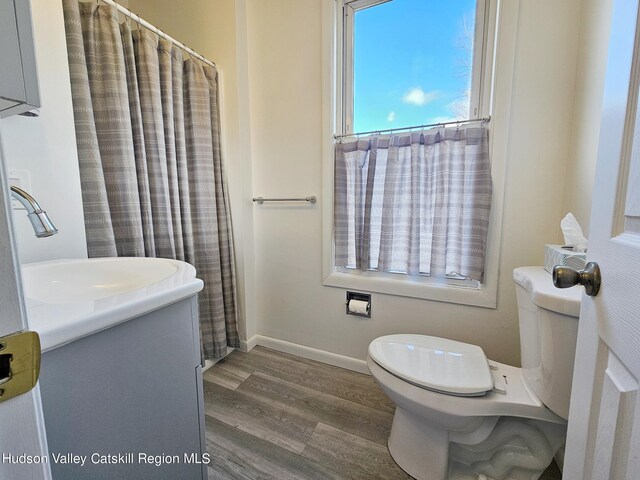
{"x":391,"y":117}
{"x":417,"y":96}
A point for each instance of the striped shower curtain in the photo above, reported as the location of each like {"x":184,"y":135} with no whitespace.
{"x":148,"y":138}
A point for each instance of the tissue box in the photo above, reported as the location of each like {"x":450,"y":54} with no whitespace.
{"x":556,"y":255}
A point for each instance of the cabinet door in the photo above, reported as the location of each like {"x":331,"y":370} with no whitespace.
{"x":128,"y":389}
{"x":12,"y":90}
{"x":18,"y":75}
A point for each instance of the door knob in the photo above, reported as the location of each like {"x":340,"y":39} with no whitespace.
{"x":589,"y":278}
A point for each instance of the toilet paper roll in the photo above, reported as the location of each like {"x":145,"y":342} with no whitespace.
{"x":359,"y":306}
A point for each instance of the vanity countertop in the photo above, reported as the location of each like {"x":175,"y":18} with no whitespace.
{"x":70,"y":299}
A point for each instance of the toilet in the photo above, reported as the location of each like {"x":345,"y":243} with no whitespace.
{"x":461,"y":416}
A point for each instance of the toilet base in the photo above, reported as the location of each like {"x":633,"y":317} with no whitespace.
{"x":511,"y":449}
{"x":516,"y":449}
{"x":419,"y":449}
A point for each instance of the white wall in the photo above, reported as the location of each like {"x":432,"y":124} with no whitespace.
{"x":285,"y":91}
{"x":592,"y":61}
{"x":46,"y":146}
{"x":270,"y":56}
{"x":278,"y":81}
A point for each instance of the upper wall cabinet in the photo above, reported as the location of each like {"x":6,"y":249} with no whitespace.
{"x":18,"y":75}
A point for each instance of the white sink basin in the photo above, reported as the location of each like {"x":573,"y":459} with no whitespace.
{"x":70,"y":299}
{"x":81,"y":280}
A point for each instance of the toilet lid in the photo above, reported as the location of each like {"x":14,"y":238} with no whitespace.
{"x":434,"y":363}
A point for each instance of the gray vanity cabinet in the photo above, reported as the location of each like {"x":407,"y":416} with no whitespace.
{"x":126,"y":403}
{"x":18,"y":77}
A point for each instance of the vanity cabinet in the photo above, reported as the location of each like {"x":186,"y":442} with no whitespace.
{"x":127,"y":402}
{"x":18,"y":76}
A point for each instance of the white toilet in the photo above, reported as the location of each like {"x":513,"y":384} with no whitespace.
{"x":462,"y":416}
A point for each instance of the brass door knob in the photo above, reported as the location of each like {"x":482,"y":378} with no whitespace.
{"x":589,"y":278}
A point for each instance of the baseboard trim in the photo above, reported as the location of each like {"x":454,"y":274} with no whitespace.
{"x":311,"y":353}
{"x":247,"y":345}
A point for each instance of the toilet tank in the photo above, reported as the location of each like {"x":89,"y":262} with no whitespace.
{"x":548,"y":318}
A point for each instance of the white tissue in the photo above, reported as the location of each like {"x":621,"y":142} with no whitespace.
{"x":572,"y":232}
{"x":359,"y":306}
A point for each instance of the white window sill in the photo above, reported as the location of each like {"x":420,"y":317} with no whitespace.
{"x":477,"y":297}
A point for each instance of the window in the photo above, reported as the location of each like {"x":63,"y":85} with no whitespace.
{"x":405,"y":63}
{"x":411,"y":62}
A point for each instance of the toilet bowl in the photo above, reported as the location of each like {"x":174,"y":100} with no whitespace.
{"x":461,"y":416}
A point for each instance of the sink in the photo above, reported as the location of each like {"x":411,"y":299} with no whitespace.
{"x":70,"y":299}
{"x":80,"y":280}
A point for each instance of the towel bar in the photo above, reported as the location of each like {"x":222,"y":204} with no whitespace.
{"x":260,"y":200}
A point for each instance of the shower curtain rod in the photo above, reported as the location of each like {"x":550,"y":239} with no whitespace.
{"x":147,"y":25}
{"x":440,"y":124}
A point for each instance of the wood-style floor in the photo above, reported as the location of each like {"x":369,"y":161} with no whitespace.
{"x":275,"y":416}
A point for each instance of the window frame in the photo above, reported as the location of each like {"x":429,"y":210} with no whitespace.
{"x":500,"y":39}
{"x":478,"y":72}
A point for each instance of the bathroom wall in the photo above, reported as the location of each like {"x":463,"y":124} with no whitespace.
{"x":269,"y":55}
{"x":285,"y":85}
{"x":277,"y":91}
{"x":46,"y":146}
{"x":592,"y":60}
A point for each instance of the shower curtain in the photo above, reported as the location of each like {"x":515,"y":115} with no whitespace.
{"x":151,"y":172}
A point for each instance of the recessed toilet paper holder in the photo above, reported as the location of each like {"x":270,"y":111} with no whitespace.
{"x":359,"y":297}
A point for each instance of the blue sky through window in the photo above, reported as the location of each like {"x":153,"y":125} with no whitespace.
{"x":412,"y":63}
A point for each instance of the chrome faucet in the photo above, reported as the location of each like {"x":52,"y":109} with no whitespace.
{"x":42,"y":225}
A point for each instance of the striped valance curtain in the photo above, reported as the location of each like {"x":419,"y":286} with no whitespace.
{"x":416,"y":203}
{"x":151,"y":171}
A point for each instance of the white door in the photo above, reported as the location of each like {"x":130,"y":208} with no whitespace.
{"x":603,"y":440}
{"x":21,"y":421}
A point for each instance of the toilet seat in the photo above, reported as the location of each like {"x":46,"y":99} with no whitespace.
{"x":438,"y":364}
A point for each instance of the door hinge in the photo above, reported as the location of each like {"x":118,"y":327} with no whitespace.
{"x":19,"y":364}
